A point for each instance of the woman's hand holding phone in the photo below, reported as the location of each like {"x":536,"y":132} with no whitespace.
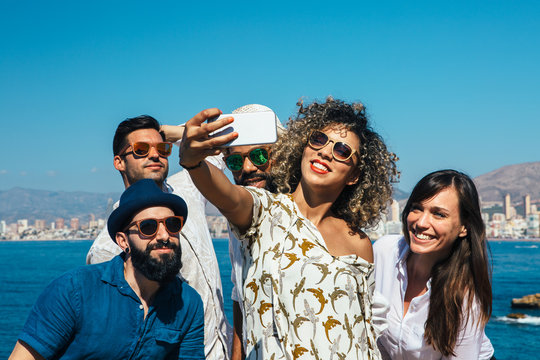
{"x":196,"y":142}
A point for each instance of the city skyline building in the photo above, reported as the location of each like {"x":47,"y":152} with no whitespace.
{"x":74,"y":224}
{"x":39,"y":224}
{"x":22,"y":224}
{"x":507,"y":206}
{"x":59,"y":223}
{"x":395,"y":210}
{"x":526,"y":205}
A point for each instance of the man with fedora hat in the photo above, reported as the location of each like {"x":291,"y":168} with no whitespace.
{"x":133,"y":306}
{"x":141,"y":152}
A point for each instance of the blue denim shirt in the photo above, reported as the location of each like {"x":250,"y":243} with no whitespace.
{"x":92,"y":313}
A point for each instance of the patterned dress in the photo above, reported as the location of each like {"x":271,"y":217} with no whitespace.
{"x":301,"y":302}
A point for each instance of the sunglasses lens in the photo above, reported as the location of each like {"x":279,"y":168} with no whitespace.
{"x":141,"y":148}
{"x":318,"y":139}
{"x":342,"y":151}
{"x":234,"y":162}
{"x":174,"y":224}
{"x":164,"y":149}
{"x":258,"y":156}
{"x":148,"y":227}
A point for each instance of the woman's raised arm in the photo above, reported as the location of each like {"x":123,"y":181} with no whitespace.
{"x":234,"y":202}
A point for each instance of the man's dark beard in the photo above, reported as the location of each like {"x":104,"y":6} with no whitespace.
{"x":244,"y":178}
{"x":162,"y":269}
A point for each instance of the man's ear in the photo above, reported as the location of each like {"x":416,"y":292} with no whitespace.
{"x":122,"y":241}
{"x":119,"y":163}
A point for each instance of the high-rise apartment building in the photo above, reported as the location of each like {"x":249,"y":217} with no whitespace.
{"x":74,"y":224}
{"x":39,"y":224}
{"x":59,"y":223}
{"x":507,"y":206}
{"x":22,"y":224}
{"x":395,"y":211}
{"x":526,"y":205}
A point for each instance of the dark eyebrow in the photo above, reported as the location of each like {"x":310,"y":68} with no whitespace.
{"x":439,"y":209}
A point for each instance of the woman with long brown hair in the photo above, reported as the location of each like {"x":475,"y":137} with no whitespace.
{"x":437,"y":276}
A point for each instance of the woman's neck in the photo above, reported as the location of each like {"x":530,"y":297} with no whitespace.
{"x":419,"y":267}
{"x":314,"y":207}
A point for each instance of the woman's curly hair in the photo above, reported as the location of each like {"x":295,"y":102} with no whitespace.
{"x":361,"y":204}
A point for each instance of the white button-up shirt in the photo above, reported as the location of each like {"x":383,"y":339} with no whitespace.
{"x":199,"y":263}
{"x":404,"y":337}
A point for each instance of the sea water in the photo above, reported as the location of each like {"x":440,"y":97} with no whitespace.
{"x":27,"y":267}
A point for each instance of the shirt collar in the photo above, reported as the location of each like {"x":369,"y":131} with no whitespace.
{"x":114,"y":275}
{"x":402,"y":252}
{"x":166,"y":187}
{"x":114,"y":272}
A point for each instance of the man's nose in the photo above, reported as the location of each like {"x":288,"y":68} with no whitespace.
{"x":153,"y":153}
{"x":248,"y":166}
{"x":162,"y":233}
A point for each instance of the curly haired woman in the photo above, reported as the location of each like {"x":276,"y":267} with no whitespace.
{"x":308,"y":276}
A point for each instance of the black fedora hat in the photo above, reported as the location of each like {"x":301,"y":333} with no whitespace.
{"x":143,"y":194}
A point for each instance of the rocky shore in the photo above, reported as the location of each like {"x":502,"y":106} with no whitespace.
{"x":527,"y":302}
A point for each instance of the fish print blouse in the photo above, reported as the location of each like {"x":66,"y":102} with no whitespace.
{"x":300,"y":302}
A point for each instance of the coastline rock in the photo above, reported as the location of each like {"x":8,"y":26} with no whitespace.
{"x":516,"y":316}
{"x":528,"y":302}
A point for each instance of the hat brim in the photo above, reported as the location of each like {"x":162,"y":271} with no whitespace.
{"x":122,"y":215}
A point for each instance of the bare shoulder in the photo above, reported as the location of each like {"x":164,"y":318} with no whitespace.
{"x":364,"y":247}
{"x":341,"y":241}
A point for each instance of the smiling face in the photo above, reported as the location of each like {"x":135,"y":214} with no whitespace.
{"x":434,"y":224}
{"x":152,"y":166}
{"x":158,"y":257}
{"x":321,"y":169}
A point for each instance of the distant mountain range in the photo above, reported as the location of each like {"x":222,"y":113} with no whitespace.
{"x":517,"y":180}
{"x":18,"y":203}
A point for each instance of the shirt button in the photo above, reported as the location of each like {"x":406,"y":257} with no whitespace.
{"x":140,"y":307}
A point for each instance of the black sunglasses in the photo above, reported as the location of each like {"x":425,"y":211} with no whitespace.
{"x":149,"y":227}
{"x":235,"y":161}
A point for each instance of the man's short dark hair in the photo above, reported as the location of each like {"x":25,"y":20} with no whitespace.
{"x":128,"y":126}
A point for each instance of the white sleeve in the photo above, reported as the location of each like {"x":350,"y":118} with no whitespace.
{"x":378,"y":313}
{"x":235,"y":296}
{"x":103,"y":248}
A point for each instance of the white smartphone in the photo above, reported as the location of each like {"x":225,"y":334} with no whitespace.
{"x":253,"y":128}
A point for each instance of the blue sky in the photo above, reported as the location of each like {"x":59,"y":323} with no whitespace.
{"x":447,"y":84}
